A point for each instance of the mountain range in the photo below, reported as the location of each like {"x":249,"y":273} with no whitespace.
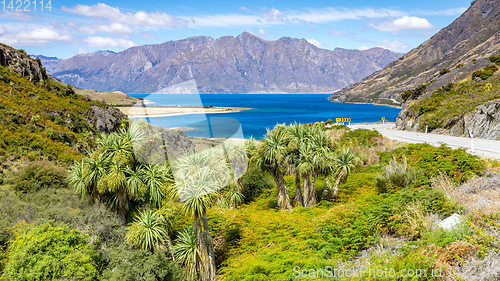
{"x":473,"y":36}
{"x":242,"y":64}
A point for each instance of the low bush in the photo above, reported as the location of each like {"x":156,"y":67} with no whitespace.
{"x":444,"y":71}
{"x":495,"y":59}
{"x":395,"y":176}
{"x":361,"y":137}
{"x":486,"y":73}
{"x":48,"y":252}
{"x":38,"y":175}
{"x":125,"y":263}
{"x":455,"y":163}
{"x":253,"y":182}
{"x":414,"y":93}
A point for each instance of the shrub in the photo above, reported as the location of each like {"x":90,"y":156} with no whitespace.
{"x":397,"y":175}
{"x":415,"y":93}
{"x":49,"y":252}
{"x":37,"y":175}
{"x":253,"y":182}
{"x":486,"y":73}
{"x":417,"y":221}
{"x":456,"y":163}
{"x":444,"y":71}
{"x":406,"y":94}
{"x":124,"y":263}
{"x":363,"y":137}
{"x":495,"y":59}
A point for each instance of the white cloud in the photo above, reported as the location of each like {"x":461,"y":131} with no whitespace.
{"x":363,"y":48}
{"x":262,"y":31}
{"x":141,"y":18}
{"x":276,"y":17}
{"x":332,"y":15}
{"x":448,"y":12}
{"x":113,"y":28}
{"x":243,"y":8}
{"x":395,"y":46}
{"x":36,"y":37}
{"x":2,"y":30}
{"x":404,"y":23}
{"x":22,"y":16}
{"x":270,"y":16}
{"x":314,"y":42}
{"x":336,"y":33}
{"x":98,"y":42}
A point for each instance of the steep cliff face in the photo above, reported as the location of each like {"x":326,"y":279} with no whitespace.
{"x":240,"y":64}
{"x":483,"y":122}
{"x":473,"y":35}
{"x":22,"y":64}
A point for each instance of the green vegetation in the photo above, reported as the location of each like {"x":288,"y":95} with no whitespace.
{"x":415,"y":93}
{"x":313,"y":196}
{"x":47,"y":252}
{"x":444,"y":71}
{"x":495,"y":59}
{"x":43,"y":120}
{"x":486,"y":73}
{"x":366,"y":201}
{"x":450,"y":103}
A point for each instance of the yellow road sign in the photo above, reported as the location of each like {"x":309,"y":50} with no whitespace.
{"x":342,"y":120}
{"x":383,"y":118}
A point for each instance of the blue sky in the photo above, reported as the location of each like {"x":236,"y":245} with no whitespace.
{"x":73,"y":27}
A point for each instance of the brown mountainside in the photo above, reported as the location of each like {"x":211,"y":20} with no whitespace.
{"x":241,"y":64}
{"x":473,"y":35}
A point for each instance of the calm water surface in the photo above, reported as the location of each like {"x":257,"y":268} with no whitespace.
{"x":267,"y":110}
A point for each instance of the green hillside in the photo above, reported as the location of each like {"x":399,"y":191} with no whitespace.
{"x":42,"y":119}
{"x":315,"y":197}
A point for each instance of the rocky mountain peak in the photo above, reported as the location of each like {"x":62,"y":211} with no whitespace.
{"x":22,"y":64}
{"x":472,"y":35}
{"x":241,"y":64}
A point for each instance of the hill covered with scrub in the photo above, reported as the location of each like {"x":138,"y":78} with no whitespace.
{"x":313,"y":196}
{"x":472,"y":37}
{"x":42,"y":119}
{"x":458,"y":108}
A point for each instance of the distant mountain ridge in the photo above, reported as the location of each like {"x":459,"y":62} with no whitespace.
{"x":474,"y":35}
{"x":241,"y":64}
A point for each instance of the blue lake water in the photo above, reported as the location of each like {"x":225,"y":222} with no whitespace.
{"x":267,"y":110}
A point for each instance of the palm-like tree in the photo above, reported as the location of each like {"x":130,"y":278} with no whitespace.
{"x":187,"y":252}
{"x":149,"y":232}
{"x":272,"y":151}
{"x":298,"y":136}
{"x":198,"y":176}
{"x":112,"y":172}
{"x":197,"y":194}
{"x":309,"y":151}
{"x":344,"y":164}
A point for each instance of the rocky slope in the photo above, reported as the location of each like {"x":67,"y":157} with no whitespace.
{"x":240,"y":64}
{"x":473,"y":35}
{"x":42,"y":119}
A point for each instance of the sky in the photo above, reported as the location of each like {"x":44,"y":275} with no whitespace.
{"x":66,"y":28}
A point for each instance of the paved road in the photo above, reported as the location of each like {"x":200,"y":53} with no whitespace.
{"x":483,"y":148}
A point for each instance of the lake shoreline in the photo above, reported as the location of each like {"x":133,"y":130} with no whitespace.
{"x":152,"y":111}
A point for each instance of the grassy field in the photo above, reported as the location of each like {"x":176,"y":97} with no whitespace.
{"x":113,"y":98}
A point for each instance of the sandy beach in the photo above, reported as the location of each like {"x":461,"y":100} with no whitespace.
{"x":166,"y":111}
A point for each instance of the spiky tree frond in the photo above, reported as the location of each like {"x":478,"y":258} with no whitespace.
{"x":147,"y":231}
{"x":187,"y":252}
{"x":77,"y":178}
